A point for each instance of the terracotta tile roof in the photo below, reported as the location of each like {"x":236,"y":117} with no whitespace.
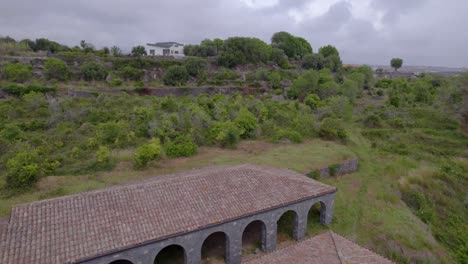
{"x":326,"y":248}
{"x":99,"y":222}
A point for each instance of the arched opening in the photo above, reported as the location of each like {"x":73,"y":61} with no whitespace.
{"x":314,"y":218}
{"x":254,"y":238}
{"x":287,"y":226}
{"x":121,"y":261}
{"x":173,"y":254}
{"x":214,"y":248}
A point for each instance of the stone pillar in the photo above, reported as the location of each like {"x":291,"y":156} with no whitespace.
{"x":234,"y":248}
{"x":193,"y":254}
{"x":271,"y":233}
{"x":326,"y":212}
{"x":300,"y":225}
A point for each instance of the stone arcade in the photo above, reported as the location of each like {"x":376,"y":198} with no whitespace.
{"x":133,"y":223}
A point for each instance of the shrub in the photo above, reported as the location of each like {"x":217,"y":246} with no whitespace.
{"x":23,"y":170}
{"x":333,"y":169}
{"x":17,"y":72}
{"x":116,"y":82}
{"x":331,"y":128}
{"x":147,"y":152}
{"x":290,"y":135}
{"x":102,"y":155}
{"x":246,"y":122}
{"x":306,"y":83}
{"x":20,"y":90}
{"x":181,"y":146}
{"x":262,"y":74}
{"x":275,"y":80}
{"x":313,"y":61}
{"x":56,"y":69}
{"x":312,"y":100}
{"x":227,"y":134}
{"x":176,"y":75}
{"x":131,"y":73}
{"x":11,"y":133}
{"x":93,"y":71}
{"x":380,"y":92}
{"x":195,"y":66}
{"x":373,"y":120}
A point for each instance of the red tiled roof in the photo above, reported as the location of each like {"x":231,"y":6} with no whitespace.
{"x":99,"y":222}
{"x":326,"y":248}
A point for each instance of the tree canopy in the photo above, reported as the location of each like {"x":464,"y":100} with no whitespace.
{"x":291,"y":45}
{"x":396,"y":63}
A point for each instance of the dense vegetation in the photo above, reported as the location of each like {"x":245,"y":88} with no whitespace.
{"x":410,"y":132}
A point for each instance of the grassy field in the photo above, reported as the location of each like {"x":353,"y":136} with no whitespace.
{"x":368,"y":206}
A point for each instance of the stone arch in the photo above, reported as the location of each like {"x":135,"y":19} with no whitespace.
{"x":254,"y":237}
{"x":121,"y":261}
{"x":287,"y":226}
{"x":316,"y":215}
{"x":172,"y":254}
{"x":215,"y":246}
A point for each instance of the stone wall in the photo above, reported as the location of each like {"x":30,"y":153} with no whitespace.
{"x":337,"y":169}
{"x":200,"y":90}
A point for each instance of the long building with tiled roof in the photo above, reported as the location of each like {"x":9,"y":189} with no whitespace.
{"x":98,"y":226}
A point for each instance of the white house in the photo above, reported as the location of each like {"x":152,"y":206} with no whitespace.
{"x":165,"y":49}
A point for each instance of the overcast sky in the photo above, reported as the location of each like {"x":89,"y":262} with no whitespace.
{"x":422,"y":32}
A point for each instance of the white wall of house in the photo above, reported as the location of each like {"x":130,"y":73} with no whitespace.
{"x":174,"y":50}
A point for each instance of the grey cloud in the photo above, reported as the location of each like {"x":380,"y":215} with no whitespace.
{"x":421,"y":31}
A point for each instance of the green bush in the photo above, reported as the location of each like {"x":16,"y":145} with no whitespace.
{"x":246,"y":122}
{"x":312,"y":100}
{"x":131,"y":73}
{"x":195,"y":66}
{"x":23,"y":170}
{"x":56,"y":69}
{"x":116,"y":82}
{"x":17,"y":72}
{"x":373,"y":120}
{"x":93,"y":71}
{"x":181,"y":146}
{"x":226,"y":134}
{"x":331,"y":128}
{"x":11,"y":133}
{"x":147,"y":152}
{"x":176,"y":75}
{"x":20,"y":90}
{"x":287,"y":134}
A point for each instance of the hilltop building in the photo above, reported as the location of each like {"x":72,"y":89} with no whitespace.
{"x":165,"y":49}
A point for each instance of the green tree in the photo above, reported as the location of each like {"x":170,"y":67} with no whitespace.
{"x":313,"y":61}
{"x":240,"y":50}
{"x":56,"y":69}
{"x":116,"y":51}
{"x":396,"y":63}
{"x":291,"y":45}
{"x":195,"y":66}
{"x":331,"y":57}
{"x":306,"y":83}
{"x":328,"y":50}
{"x":176,"y":75}
{"x":17,"y":72}
{"x":138,"y":51}
{"x":279,"y":57}
{"x":93,"y":71}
